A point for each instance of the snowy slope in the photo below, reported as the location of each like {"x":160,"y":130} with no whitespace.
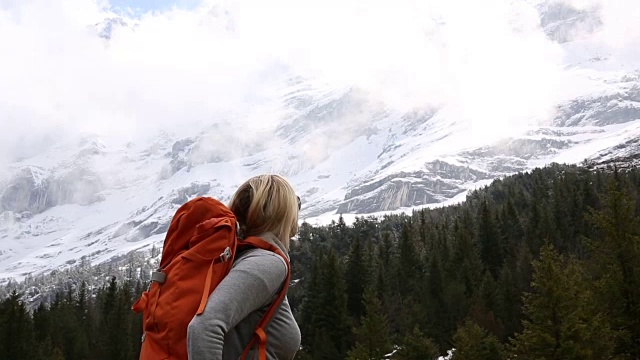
{"x":98,"y":197}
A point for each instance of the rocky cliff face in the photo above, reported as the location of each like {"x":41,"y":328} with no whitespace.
{"x":438,"y":182}
{"x":563,"y":22}
{"x":616,"y":107}
{"x":31,"y":190}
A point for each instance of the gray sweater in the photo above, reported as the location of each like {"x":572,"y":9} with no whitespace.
{"x":234,"y":308}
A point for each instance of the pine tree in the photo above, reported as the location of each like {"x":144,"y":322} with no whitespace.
{"x":484,"y":310}
{"x":340,"y":235}
{"x":356,"y":278}
{"x":616,"y":255}
{"x":42,"y":323}
{"x":384,"y":279}
{"x":437,"y":308}
{"x":311,"y":302}
{"x":488,"y":291}
{"x":372,"y":336}
{"x":408,"y":262}
{"x":508,"y":298}
{"x":415,"y":345}
{"x":471,"y":342}
{"x":489,"y":240}
{"x":16,"y":329}
{"x":330,"y":320}
{"x":423,"y":227}
{"x":562,"y":219}
{"x":324,"y":348}
{"x":114,"y":322}
{"x":563,"y":321}
{"x":465,"y":262}
{"x":512,"y":228}
{"x":541,"y":226}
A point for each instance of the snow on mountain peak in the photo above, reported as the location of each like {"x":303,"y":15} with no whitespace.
{"x":365,"y":110}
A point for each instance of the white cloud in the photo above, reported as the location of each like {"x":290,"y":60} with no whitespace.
{"x":227,"y":60}
{"x":619,"y":19}
{"x":620,"y":24}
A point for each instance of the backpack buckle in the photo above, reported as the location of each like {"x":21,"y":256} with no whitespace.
{"x":226,"y":255}
{"x":159,"y":277}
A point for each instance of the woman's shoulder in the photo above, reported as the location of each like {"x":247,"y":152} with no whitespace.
{"x":260,"y":270}
{"x":260,"y":260}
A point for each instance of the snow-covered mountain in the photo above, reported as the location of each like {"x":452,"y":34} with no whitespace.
{"x":97,"y":197}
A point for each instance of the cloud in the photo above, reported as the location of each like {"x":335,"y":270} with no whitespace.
{"x":228,"y":61}
{"x":620,"y":24}
{"x":617,"y":20}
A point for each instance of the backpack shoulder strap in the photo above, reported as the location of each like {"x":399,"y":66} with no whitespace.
{"x":260,"y":335}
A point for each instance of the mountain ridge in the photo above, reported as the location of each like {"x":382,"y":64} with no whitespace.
{"x":99,"y":197}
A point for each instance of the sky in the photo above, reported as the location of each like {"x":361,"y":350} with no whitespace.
{"x":207,"y":61}
{"x":139,"y":7}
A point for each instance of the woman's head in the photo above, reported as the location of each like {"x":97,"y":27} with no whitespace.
{"x":267,"y":203}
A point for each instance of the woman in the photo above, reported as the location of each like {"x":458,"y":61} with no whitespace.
{"x":265,"y":206}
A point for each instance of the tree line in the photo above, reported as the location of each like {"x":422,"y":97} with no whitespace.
{"x":538,"y":265}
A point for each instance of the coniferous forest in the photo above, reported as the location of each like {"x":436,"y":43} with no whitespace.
{"x":538,"y":265}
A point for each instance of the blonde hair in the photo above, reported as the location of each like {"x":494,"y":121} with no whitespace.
{"x":266,"y":203}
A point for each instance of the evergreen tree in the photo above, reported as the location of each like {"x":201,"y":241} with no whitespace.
{"x":16,"y":329}
{"x":372,"y":336}
{"x":563,"y":236}
{"x":488,"y":291}
{"x":512,"y":228}
{"x":384,"y":280}
{"x":508,"y":298}
{"x":465,"y":263}
{"x":42,"y":323}
{"x":408,"y":262}
{"x":438,"y":314}
{"x":423,"y":228}
{"x":616,"y":256}
{"x":356,"y":278}
{"x":324,"y":347}
{"x":484,"y":311}
{"x":489,"y":240}
{"x":330,"y":319}
{"x":114,"y":324}
{"x":563,"y":321}
{"x":311,"y":302}
{"x":415,"y":345}
{"x":471,"y":342}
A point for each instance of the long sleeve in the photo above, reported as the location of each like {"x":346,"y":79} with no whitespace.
{"x":251,"y":284}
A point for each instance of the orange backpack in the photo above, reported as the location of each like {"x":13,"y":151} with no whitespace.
{"x":198,"y":252}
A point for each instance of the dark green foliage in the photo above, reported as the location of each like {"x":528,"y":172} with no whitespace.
{"x":437,"y":306}
{"x":408,"y":262}
{"x":489,"y":239}
{"x":415,"y":345}
{"x":16,"y":329}
{"x":325,"y":319}
{"x":563,"y":320}
{"x":472,"y":342}
{"x":373,"y":340}
{"x":356,"y":277}
{"x":615,"y":249}
{"x":74,"y":326}
{"x":543,"y":265}
{"x":508,"y":303}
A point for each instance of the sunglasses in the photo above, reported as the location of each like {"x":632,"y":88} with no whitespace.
{"x":299,"y":202}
